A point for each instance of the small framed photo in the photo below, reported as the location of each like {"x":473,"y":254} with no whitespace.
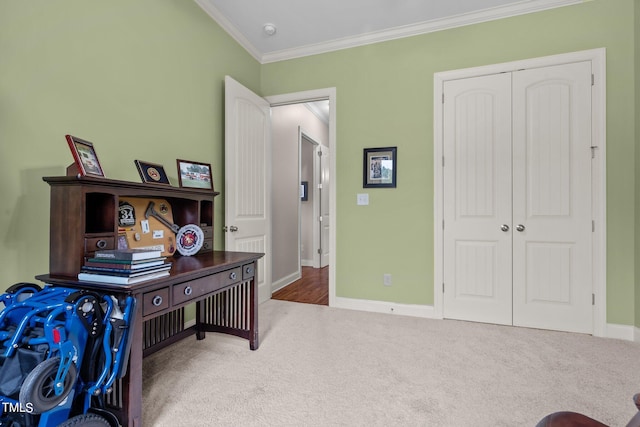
{"x":152,"y":173}
{"x":304,"y":191}
{"x":380,"y":167}
{"x":194,"y":174}
{"x":86,"y":160}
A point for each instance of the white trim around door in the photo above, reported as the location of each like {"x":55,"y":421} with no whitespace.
{"x":317,"y":95}
{"x":598,"y":185}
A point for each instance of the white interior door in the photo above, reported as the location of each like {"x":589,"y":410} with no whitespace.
{"x":517,"y":198}
{"x":552,"y":198}
{"x":324,"y":157}
{"x":247,"y":177}
{"x":477,"y":199}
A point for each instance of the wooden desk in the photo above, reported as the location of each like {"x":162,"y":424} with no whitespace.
{"x":221,"y":284}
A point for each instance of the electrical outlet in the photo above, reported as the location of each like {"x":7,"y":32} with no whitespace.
{"x":386,"y":279}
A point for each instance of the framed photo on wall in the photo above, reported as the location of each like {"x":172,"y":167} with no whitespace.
{"x":152,"y":173}
{"x":380,"y":167}
{"x":194,"y":174}
{"x":86,"y":159}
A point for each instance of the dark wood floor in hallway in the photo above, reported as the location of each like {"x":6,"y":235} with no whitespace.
{"x":311,"y":288}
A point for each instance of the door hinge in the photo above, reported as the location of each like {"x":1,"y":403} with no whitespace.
{"x":593,"y":226}
{"x":442,"y":161}
{"x":320,"y":218}
{"x":443,"y":224}
{"x":319,"y":153}
{"x":593,"y":299}
{"x":320,"y":251}
{"x":593,"y":151}
{"x":593,"y":80}
{"x":443,"y":287}
{"x":319,"y":186}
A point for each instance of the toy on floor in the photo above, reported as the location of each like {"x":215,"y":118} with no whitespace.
{"x":61,"y":350}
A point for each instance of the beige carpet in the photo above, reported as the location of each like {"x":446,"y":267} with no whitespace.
{"x":319,"y":366}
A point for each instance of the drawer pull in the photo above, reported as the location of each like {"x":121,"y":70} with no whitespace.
{"x":248,"y":270}
{"x":233,"y":276}
{"x":188,"y":290}
{"x":157,"y":301}
{"x":101,"y":244}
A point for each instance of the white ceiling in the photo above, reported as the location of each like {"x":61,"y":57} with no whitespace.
{"x":305,"y":27}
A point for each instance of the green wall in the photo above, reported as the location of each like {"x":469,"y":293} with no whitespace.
{"x":385,"y":97}
{"x":636,"y":92}
{"x":144,"y":80}
{"x":140,"y":79}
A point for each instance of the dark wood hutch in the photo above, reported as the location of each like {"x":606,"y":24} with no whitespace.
{"x":221,"y":284}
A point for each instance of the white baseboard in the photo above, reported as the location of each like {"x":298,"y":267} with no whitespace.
{"x":306,"y":263}
{"x":287,"y":280}
{"x":621,"y":332}
{"x":385,"y":307}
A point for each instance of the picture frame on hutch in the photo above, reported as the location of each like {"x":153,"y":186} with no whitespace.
{"x":152,"y":173}
{"x":194,"y":174}
{"x":85,"y":157}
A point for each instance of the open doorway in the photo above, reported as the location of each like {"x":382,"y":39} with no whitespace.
{"x":301,"y":202}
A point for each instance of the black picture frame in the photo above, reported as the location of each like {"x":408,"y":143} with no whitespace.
{"x":193,"y":174}
{"x":152,"y":173}
{"x":380,"y":167}
{"x":304,"y":191}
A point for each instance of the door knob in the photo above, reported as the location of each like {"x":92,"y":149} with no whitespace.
{"x":233,"y":228}
{"x":504,"y":227}
{"x":520,"y":228}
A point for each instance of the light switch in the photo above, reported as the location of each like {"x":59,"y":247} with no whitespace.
{"x":363,"y":199}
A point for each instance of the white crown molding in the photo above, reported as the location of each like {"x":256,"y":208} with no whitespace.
{"x":492,"y":14}
{"x":322,"y":115}
{"x":521,"y":8}
{"x":226,"y":25}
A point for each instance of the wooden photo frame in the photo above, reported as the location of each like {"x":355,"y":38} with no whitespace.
{"x":194,"y":174}
{"x":380,"y":167}
{"x":152,"y":173}
{"x":86,"y":159}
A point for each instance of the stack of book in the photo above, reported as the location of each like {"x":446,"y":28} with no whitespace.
{"x":124,"y":267}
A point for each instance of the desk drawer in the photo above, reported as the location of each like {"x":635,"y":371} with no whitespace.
{"x":155,"y":301}
{"x":93,"y":244}
{"x":248,"y":271}
{"x":183,"y":292}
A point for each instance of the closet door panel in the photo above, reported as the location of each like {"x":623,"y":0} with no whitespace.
{"x":477,"y":199}
{"x":552,"y":280}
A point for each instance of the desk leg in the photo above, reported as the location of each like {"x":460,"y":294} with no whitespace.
{"x":254,"y":333}
{"x":132,"y":382}
{"x":200,"y":320}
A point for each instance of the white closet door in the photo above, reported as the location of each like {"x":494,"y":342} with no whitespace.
{"x":552,"y":198}
{"x":477,"y":199}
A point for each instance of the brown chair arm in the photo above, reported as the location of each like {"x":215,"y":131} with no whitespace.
{"x":568,"y":419}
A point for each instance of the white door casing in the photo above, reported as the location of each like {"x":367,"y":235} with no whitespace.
{"x":477,"y":199}
{"x":552,"y":280}
{"x":309,"y":96}
{"x":324,"y":156}
{"x":529,"y":246}
{"x":248,"y":178}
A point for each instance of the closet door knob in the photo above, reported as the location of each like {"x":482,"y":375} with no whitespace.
{"x":504,"y":228}
{"x":520,"y":228}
